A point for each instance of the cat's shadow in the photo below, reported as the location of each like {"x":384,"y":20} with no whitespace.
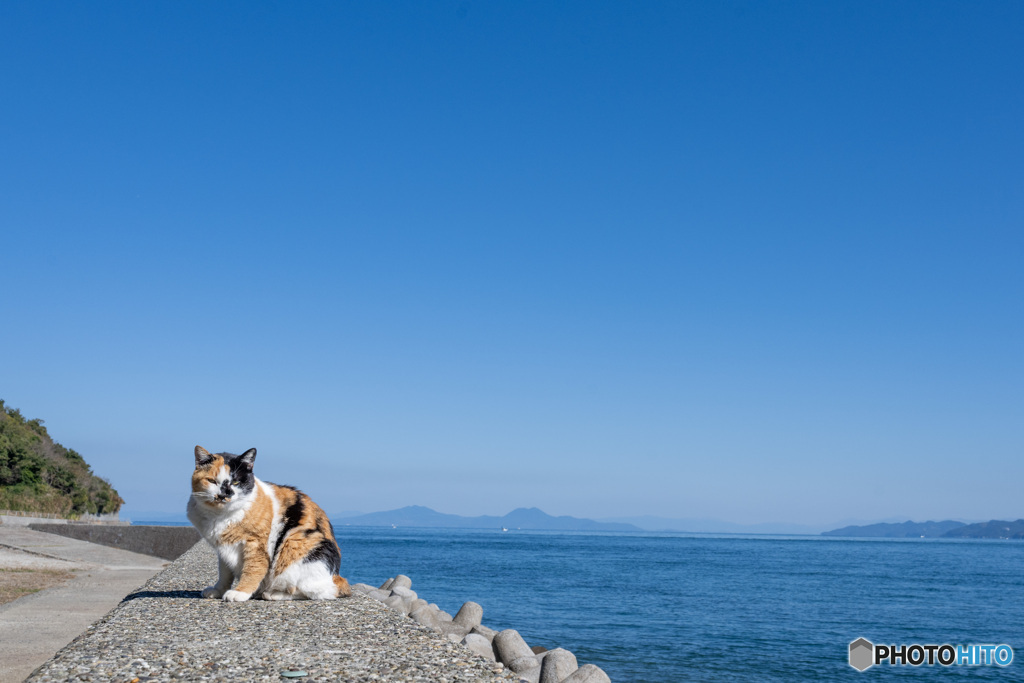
{"x":181,"y":595}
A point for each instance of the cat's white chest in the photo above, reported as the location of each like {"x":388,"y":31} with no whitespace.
{"x":212,"y":524}
{"x":231,"y":555}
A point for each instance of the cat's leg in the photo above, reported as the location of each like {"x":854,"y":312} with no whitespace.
{"x":224,"y":578}
{"x":315,"y":582}
{"x":304,"y":581}
{"x":255,"y":564}
{"x":320,"y":590}
{"x":273,"y":589}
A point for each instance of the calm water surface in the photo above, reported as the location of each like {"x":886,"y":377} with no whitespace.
{"x":677,"y":607}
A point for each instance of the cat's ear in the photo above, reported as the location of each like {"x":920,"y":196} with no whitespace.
{"x":248,"y":458}
{"x":203,"y":456}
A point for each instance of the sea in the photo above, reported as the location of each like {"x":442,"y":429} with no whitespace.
{"x":662,"y":607}
{"x":665,"y":607}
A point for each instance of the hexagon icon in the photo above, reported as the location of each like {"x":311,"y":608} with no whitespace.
{"x":862,"y":654}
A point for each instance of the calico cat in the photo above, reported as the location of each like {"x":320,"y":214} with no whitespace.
{"x":273,"y":539}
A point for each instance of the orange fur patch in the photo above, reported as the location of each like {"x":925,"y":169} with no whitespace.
{"x":201,"y":475}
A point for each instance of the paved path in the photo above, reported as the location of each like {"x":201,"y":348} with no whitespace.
{"x":34,"y":627}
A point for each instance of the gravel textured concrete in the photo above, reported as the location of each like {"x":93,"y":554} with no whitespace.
{"x":166,"y":632}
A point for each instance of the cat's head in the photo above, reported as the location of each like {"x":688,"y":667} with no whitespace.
{"x":221,"y":479}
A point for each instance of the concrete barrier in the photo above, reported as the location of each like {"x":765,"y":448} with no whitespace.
{"x":24,"y":519}
{"x":167,"y":542}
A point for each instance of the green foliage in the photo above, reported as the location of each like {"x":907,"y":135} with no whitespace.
{"x":37,"y":474}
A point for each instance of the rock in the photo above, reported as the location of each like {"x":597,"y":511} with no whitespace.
{"x":427,"y":616}
{"x":523,"y":664}
{"x":396,"y":603}
{"x":402,"y":581}
{"x":485,"y":632}
{"x":454,"y":637}
{"x":469,"y":615}
{"x":449,"y":627}
{"x":588,"y":673}
{"x":557,"y":665}
{"x":378,"y":594}
{"x":538,"y":649}
{"x":480,"y":645}
{"x":531,"y":675}
{"x":386,"y":586}
{"x":510,"y":646}
{"x":416,"y":604}
{"x":404,"y":592}
{"x":362,"y":588}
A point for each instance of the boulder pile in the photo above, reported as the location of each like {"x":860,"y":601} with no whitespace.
{"x":531,"y":665}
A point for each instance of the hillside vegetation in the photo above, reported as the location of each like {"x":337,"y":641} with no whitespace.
{"x":37,"y":474}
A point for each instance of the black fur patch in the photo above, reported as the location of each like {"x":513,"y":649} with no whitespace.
{"x":239,"y":472}
{"x":292,"y":517}
{"x":326,"y":552}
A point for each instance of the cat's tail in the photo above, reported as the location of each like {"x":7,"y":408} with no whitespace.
{"x":343,"y":588}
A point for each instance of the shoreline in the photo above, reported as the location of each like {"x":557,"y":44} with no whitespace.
{"x":531,"y":665}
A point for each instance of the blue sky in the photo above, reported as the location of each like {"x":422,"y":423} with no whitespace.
{"x":747,"y":261}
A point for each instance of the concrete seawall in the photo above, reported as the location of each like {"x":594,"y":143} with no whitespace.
{"x":165,"y":631}
{"x":168,"y":542}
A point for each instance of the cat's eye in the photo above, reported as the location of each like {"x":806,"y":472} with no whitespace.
{"x":234,"y":483}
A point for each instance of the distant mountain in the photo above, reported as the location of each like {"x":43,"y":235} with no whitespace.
{"x":713,"y":526}
{"x":521,"y":518}
{"x":902,"y":530}
{"x":994,"y":529}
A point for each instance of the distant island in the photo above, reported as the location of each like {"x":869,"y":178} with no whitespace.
{"x":901,"y":530}
{"x":994,"y":529}
{"x":946,"y":529}
{"x":521,"y":518}
{"x":37,"y":474}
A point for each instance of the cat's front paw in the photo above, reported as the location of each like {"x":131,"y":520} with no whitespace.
{"x":212,"y":592}
{"x":236,"y":596}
